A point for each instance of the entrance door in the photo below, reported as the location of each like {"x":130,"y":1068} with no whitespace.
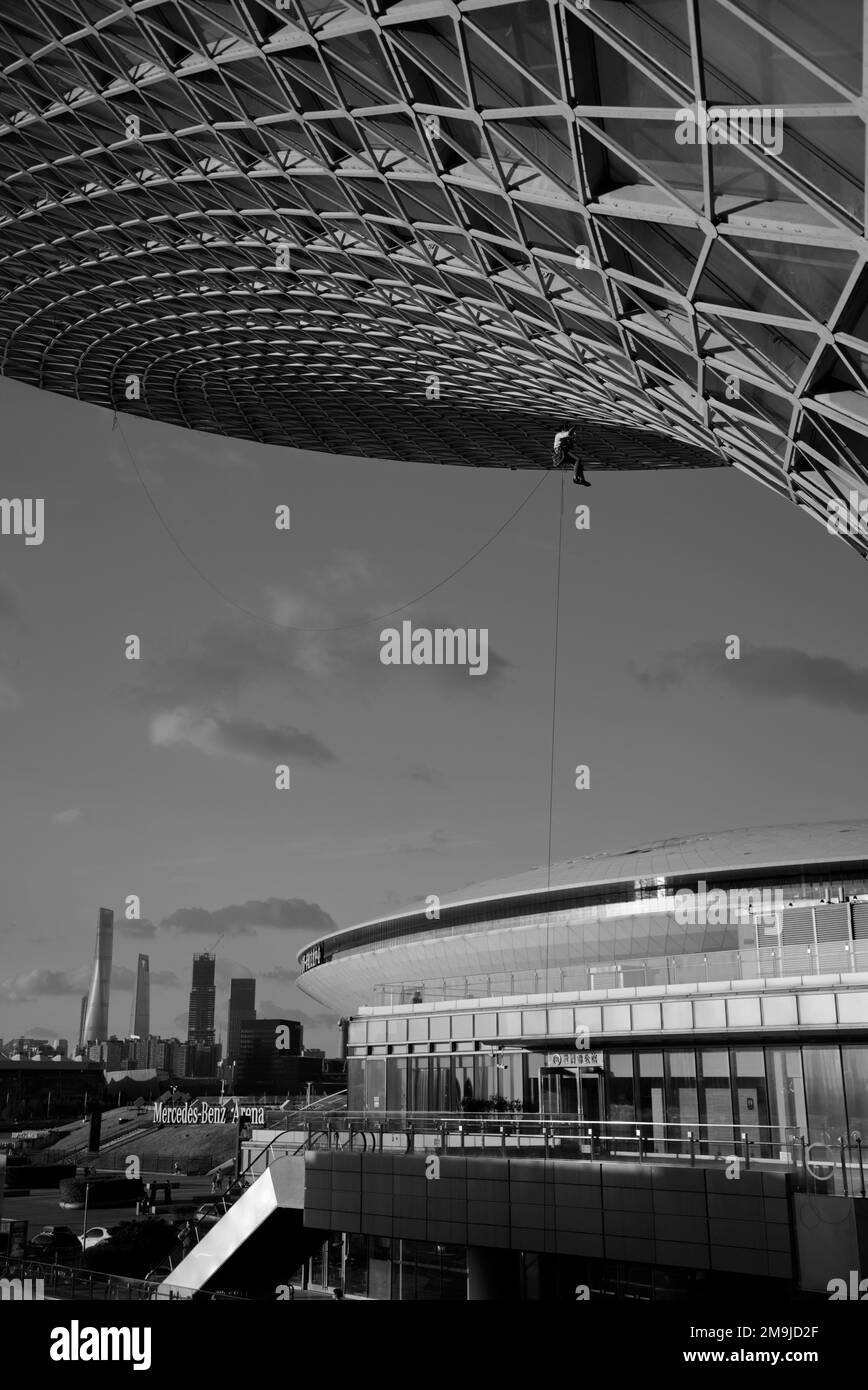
{"x":558,"y":1093}
{"x":590,"y":1091}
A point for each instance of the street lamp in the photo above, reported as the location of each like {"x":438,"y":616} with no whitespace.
{"x":84,"y":1222}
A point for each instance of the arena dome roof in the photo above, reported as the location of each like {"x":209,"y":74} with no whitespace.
{"x":717,"y":852}
{"x":761,"y":847}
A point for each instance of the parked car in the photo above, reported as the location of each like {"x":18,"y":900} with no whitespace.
{"x":54,"y":1241}
{"x":94,"y":1235}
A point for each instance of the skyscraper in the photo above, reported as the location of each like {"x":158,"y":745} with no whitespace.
{"x":81,"y":1017}
{"x":140,"y":1015}
{"x":200,"y":1020}
{"x":96,"y":1014}
{"x":242,"y":1007}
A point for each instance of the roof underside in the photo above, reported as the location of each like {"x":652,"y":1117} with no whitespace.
{"x":408,"y":230}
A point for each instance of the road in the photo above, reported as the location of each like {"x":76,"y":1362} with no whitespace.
{"x":43,"y":1208}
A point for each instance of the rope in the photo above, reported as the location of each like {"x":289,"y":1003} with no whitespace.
{"x":338,"y":627}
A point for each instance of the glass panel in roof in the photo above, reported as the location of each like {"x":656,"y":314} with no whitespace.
{"x":829,"y":35}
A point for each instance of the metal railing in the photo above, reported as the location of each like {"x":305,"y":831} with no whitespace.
{"x":766,"y":962}
{"x":68,"y":1282}
{"x":817,"y":1166}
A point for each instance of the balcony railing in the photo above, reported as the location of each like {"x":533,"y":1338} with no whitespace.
{"x":767,"y":962}
{"x":63,"y":1282}
{"x":830,"y":1168}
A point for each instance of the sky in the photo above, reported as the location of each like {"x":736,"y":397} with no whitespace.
{"x":156,"y":777}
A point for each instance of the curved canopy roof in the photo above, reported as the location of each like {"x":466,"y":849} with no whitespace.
{"x":741,"y":851}
{"x":432,"y":232}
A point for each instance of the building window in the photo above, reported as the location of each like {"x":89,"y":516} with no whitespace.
{"x":620,"y":1095}
{"x":651,"y":1107}
{"x":788,"y":1115}
{"x":430,"y":1271}
{"x":824,"y":1094}
{"x":682,"y":1101}
{"x":751,"y":1099}
{"x":715,"y":1099}
{"x":855,"y":1061}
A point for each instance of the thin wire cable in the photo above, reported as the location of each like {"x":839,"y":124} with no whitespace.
{"x":292,"y":627}
{"x":554,"y":717}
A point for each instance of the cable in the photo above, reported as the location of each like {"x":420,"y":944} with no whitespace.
{"x":339,"y":627}
{"x":554,"y":718}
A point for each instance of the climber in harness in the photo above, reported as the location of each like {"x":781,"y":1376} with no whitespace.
{"x":565,"y":451}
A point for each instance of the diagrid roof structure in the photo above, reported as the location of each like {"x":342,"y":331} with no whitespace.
{"x":431,"y":230}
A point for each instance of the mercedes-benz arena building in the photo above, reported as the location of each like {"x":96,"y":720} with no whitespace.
{"x":712,"y":988}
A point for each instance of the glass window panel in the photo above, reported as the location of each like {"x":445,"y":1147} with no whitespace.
{"x":560,"y":1021}
{"x":752,"y":1113}
{"x":533,"y":1021}
{"x":651,"y":1104}
{"x":396,"y":1083}
{"x":356,"y":1276}
{"x":439,"y":1026}
{"x":509,"y":1024}
{"x":620,"y":1097}
{"x":788,"y":1115}
{"x":418,"y":1029}
{"x":355,"y":1084}
{"x":376,"y":1030}
{"x":824,"y":1094}
{"x":462,"y":1025}
{"x":715,"y":1100}
{"x":397,"y":1029}
{"x":855,"y":1061}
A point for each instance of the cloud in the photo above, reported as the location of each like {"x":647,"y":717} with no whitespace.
{"x":281,"y":975}
{"x":241,"y":737}
{"x":34,"y":984}
{"x":284,"y":914}
{"x":426,"y":775}
{"x":141,"y":928}
{"x":225,"y":971}
{"x":774,"y":673}
{"x":9,"y":609}
{"x":269,"y":1009}
{"x":326,"y":631}
{"x":9,"y":697}
{"x":432,"y":842}
{"x":67,"y":817}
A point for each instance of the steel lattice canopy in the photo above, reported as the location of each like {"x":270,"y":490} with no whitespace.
{"x":298,"y":221}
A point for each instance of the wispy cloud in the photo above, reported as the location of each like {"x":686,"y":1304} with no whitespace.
{"x":772,"y":673}
{"x":426,"y":775}
{"x":68,"y":817}
{"x":242,"y":919}
{"x":35,"y":984}
{"x":240,"y":737}
{"x":140,"y":929}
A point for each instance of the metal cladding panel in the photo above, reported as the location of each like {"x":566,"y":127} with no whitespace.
{"x":648,"y":1213}
{"x":435,"y":233}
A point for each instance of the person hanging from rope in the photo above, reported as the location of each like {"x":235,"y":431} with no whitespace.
{"x":565,"y":451}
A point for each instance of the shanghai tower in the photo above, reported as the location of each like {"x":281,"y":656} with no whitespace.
{"x":140,"y":1015}
{"x":96,"y":1016}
